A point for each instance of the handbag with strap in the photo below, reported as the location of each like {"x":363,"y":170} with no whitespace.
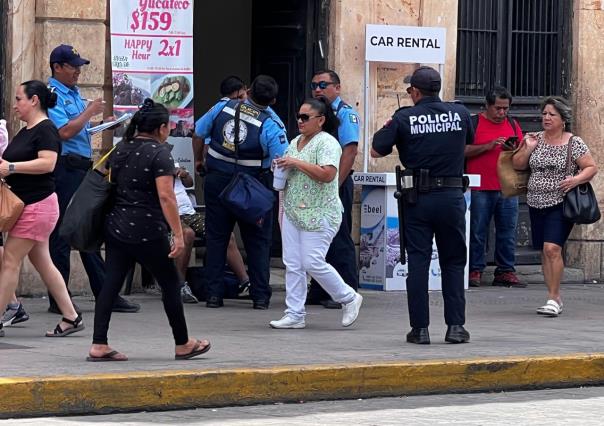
{"x":580,"y":204}
{"x":11,"y":207}
{"x":82,"y":225}
{"x":513,"y":182}
{"x":245,"y":196}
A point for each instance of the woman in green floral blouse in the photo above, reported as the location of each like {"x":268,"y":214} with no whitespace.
{"x":313,"y":212}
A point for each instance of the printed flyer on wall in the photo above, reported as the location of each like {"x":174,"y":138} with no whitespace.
{"x":152,"y":57}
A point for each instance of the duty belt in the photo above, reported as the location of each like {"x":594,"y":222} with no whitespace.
{"x":446,"y":182}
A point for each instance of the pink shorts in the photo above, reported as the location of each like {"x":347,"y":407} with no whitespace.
{"x":38,"y":220}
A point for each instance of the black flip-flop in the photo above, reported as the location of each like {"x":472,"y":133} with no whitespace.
{"x":109,"y":356}
{"x":197,"y":350}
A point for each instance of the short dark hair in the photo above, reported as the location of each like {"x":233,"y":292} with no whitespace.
{"x":332,"y":74}
{"x":231,"y":84}
{"x":498,"y":92}
{"x":264,"y":90}
{"x":47,"y":97}
{"x":322,"y":105}
{"x":147,"y":119}
{"x":430,"y":93}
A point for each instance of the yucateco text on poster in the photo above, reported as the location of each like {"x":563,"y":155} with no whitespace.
{"x":152,"y":57}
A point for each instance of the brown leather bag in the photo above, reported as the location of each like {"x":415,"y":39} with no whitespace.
{"x":11,"y":207}
{"x":513,"y":182}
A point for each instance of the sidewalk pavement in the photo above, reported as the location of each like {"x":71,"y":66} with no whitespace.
{"x":511,"y":348}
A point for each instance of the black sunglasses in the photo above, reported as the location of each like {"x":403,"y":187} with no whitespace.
{"x":305,"y":117}
{"x":321,"y":85}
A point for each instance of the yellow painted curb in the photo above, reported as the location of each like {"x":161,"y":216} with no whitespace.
{"x":157,"y":390}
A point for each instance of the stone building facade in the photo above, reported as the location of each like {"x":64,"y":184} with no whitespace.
{"x":35,"y":26}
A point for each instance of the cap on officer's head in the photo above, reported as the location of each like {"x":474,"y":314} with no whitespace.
{"x":425,"y":78}
{"x":65,"y":54}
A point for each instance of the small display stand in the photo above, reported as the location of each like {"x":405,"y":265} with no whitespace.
{"x":379,"y":257}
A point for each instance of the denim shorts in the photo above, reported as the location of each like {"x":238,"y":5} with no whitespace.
{"x":549,"y":226}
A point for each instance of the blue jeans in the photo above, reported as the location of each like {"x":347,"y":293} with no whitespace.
{"x":485,"y":206}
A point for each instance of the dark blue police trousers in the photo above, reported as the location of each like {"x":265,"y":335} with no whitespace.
{"x":341,"y":254}
{"x":256,"y":240}
{"x":67,"y":181}
{"x":439,"y":214}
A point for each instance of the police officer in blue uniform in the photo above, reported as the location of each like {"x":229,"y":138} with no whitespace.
{"x":262,"y":138}
{"x":72,"y":116}
{"x":431,"y":137}
{"x":341,"y":254}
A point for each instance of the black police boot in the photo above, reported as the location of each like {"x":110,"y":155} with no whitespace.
{"x":122,"y":305}
{"x":457,"y":334}
{"x":419,"y":336}
{"x":260,"y":304}
{"x":214,"y":302}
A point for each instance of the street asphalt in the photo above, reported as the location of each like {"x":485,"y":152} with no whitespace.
{"x":502,"y":322}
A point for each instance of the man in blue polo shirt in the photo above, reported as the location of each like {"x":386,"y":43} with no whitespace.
{"x":341,"y":254}
{"x":72,"y":116}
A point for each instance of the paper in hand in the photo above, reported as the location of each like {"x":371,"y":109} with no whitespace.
{"x":104,"y":126}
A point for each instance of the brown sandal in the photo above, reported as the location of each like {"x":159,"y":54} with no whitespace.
{"x":78,"y":325}
{"x":109,"y":356}
{"x":198,"y":349}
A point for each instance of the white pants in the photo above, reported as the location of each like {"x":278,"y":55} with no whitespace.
{"x":304,"y":252}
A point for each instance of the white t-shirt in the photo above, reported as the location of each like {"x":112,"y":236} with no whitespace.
{"x":185,"y":206}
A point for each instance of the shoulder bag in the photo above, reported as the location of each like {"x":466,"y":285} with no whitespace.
{"x":11,"y":207}
{"x":245,"y":196}
{"x":513,"y":182}
{"x":580,"y":204}
{"x":83,"y":223}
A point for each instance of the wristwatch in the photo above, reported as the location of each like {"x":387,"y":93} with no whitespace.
{"x":11,"y":168}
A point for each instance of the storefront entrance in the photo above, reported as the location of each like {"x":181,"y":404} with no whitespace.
{"x":280,"y":38}
{"x":286,"y":39}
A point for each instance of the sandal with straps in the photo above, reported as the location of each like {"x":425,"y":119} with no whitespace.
{"x":78,"y":325}
{"x":550,"y":309}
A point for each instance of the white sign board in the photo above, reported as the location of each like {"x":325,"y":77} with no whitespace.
{"x":393,"y":43}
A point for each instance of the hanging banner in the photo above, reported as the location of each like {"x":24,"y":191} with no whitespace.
{"x":152,"y":57}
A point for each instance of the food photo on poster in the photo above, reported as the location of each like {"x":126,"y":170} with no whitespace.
{"x":173,"y":91}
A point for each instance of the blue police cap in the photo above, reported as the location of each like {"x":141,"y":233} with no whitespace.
{"x":67,"y":54}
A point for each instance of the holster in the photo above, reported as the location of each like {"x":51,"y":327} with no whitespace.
{"x":423,"y":180}
{"x":409,"y":192}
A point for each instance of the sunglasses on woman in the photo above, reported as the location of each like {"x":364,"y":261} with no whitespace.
{"x":305,"y":117}
{"x":321,"y":85}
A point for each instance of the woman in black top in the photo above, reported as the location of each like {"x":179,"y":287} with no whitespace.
{"x":27,"y":165}
{"x":136,"y":230}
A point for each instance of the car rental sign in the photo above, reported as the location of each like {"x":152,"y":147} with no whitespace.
{"x":393,"y":43}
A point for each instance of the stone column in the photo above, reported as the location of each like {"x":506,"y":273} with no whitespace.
{"x":35,"y":27}
{"x":584,"y":249}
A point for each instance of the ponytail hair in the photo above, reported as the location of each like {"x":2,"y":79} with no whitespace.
{"x":322,"y":105}
{"x":149,"y":118}
{"x":46,"y":95}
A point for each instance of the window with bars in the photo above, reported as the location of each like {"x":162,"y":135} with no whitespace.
{"x":523,"y":45}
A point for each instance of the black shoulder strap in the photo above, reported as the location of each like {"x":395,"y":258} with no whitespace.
{"x":475,"y":121}
{"x":237,"y":126}
{"x":513,"y":124}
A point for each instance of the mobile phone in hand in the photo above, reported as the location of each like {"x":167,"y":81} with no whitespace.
{"x":511,"y":142}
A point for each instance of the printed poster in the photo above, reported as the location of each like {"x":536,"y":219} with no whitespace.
{"x":152,"y":57}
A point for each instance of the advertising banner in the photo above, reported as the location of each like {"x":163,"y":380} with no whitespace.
{"x":152,"y":57}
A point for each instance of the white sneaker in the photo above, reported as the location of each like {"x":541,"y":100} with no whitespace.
{"x":288,"y":322}
{"x":350,"y":311}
